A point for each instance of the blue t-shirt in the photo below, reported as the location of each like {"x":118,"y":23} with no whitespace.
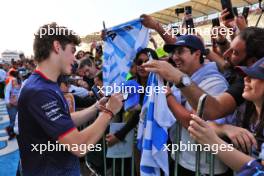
{"x":44,"y":117}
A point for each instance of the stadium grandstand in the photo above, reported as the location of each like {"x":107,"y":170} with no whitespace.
{"x":203,"y":13}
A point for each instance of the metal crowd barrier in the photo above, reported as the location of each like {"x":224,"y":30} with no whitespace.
{"x":122,"y":163}
{"x":209,"y":159}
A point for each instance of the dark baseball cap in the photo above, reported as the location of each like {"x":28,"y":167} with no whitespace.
{"x":188,"y":41}
{"x":254,"y":71}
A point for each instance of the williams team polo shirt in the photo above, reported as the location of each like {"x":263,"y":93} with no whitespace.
{"x":43,"y":118}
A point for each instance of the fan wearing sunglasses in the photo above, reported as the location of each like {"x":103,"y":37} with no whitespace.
{"x":141,"y":76}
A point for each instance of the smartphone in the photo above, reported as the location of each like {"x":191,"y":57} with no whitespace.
{"x":226,"y":4}
{"x":245,"y":12}
{"x":179,"y":10}
{"x":96,"y":91}
{"x":215,"y":22}
{"x":200,"y":106}
{"x":235,"y":11}
{"x":188,"y":10}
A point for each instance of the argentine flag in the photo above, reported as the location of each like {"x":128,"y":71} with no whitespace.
{"x":120,"y":47}
{"x":155,"y":119}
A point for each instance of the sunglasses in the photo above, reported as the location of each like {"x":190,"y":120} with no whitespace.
{"x":140,"y":62}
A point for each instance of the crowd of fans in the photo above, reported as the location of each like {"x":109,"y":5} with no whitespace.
{"x":231,"y":72}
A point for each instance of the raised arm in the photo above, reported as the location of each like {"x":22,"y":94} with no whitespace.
{"x":215,"y":107}
{"x":149,"y":22}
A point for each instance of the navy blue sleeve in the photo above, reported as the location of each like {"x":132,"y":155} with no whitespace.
{"x":252,"y":168}
{"x":51,"y":113}
{"x":236,"y":90}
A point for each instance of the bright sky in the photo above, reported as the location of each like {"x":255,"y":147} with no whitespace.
{"x":21,"y":18}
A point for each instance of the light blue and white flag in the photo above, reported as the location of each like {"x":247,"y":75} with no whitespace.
{"x":120,"y":47}
{"x":155,"y":119}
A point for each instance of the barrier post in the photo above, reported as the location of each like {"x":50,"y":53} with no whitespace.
{"x":177,"y":153}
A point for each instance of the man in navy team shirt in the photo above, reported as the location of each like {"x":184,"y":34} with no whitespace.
{"x":43,"y":113}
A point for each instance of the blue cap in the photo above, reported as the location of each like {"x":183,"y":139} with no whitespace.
{"x":186,"y":40}
{"x":133,"y":97}
{"x":254,"y":71}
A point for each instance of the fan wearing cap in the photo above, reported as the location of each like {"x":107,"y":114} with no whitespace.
{"x":245,"y":49}
{"x":184,"y":45}
{"x":188,"y":56}
{"x":254,"y":95}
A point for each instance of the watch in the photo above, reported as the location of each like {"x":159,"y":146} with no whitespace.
{"x":184,"y":81}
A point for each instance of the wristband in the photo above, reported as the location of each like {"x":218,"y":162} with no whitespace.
{"x":104,"y":109}
{"x":169,"y":94}
{"x":107,"y":112}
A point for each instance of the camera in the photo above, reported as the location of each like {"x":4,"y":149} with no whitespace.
{"x":179,"y":10}
{"x":187,"y":10}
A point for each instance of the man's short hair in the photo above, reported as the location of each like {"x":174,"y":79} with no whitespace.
{"x":47,"y":34}
{"x":89,"y":61}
